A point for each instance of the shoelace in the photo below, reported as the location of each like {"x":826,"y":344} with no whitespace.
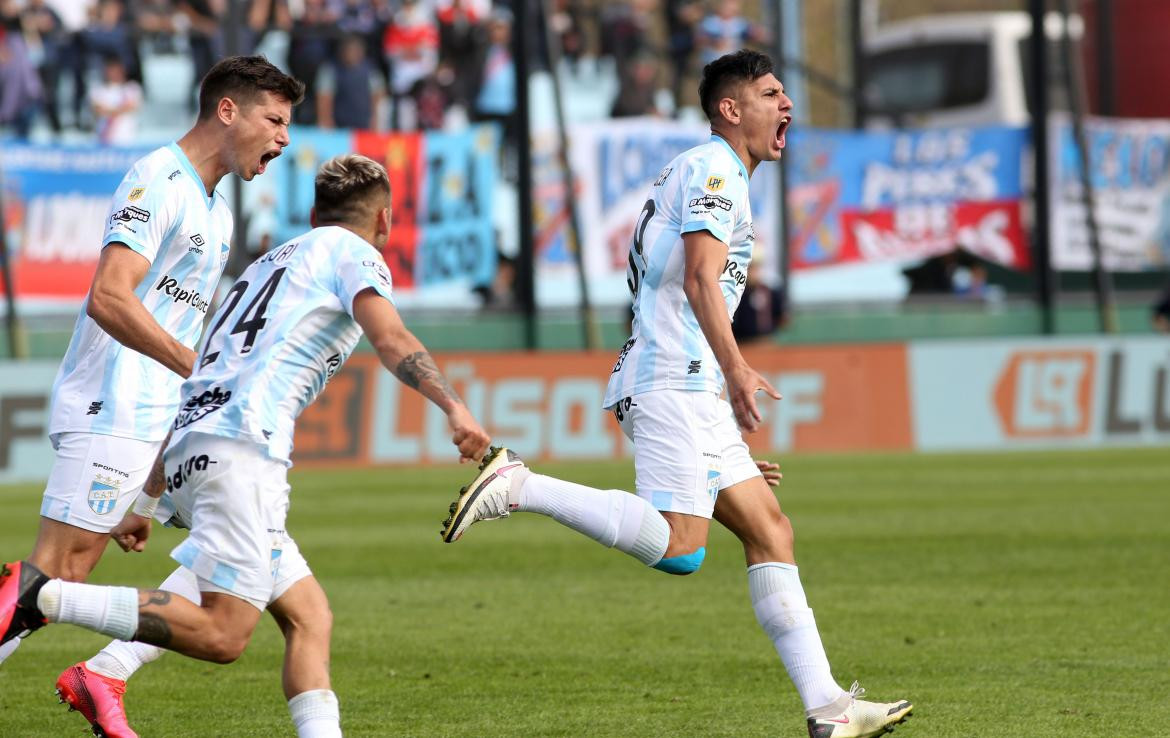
{"x":496,"y":505}
{"x":856,"y":691}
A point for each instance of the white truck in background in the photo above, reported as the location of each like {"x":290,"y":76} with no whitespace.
{"x":958,"y":69}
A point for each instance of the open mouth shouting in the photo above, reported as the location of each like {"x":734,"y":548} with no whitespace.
{"x":781,"y":130}
{"x":266,"y":157}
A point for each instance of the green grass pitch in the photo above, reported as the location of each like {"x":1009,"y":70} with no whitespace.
{"x":1007,"y":595}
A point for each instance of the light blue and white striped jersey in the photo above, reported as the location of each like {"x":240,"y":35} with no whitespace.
{"x":285,"y":327}
{"x":161,"y":211}
{"x":703,"y":189}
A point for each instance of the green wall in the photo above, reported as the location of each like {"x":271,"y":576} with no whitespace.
{"x":562,"y":331}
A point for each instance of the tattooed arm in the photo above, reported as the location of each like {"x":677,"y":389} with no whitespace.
{"x":404,"y":355}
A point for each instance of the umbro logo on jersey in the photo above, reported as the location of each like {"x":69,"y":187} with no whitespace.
{"x":197,"y":246}
{"x":94,"y":408}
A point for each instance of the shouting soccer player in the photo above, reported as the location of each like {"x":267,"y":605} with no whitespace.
{"x":117,"y":392}
{"x":687,"y":266}
{"x":285,"y":327}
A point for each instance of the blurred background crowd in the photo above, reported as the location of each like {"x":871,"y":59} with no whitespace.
{"x":81,"y":65}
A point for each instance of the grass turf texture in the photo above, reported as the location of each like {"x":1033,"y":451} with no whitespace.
{"x":1007,"y":595}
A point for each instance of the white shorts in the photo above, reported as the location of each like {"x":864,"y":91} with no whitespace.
{"x":687,"y":448}
{"x":96,"y":478}
{"x":234,"y":498}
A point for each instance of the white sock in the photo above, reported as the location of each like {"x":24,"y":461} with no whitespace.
{"x":7,"y":649}
{"x":109,"y":610}
{"x":120,"y":659}
{"x":783,"y":613}
{"x":609,"y":516}
{"x":316,"y":714}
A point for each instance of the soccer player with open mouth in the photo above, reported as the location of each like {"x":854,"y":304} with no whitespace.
{"x":688,"y":263}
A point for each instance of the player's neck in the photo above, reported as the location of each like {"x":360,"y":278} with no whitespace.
{"x":366,"y":234}
{"x":204,"y":150}
{"x":739,"y":146}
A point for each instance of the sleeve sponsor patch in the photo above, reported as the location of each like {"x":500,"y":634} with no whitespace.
{"x":128,"y":214}
{"x":715,"y":183}
{"x":136,"y":194}
{"x":380,"y":271}
{"x":710,"y":202}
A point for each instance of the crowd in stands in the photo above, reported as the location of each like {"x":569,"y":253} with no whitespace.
{"x":376,"y":64}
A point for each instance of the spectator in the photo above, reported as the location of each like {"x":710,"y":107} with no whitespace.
{"x":20,"y":88}
{"x":108,"y":34}
{"x":431,"y":100}
{"x":44,"y":31}
{"x":460,"y":38}
{"x":566,"y":21}
{"x":638,"y":88}
{"x":411,"y":46}
{"x":310,"y":45}
{"x":262,"y":17}
{"x":727,"y":31}
{"x":357,"y":18}
{"x":625,"y":31}
{"x":155,"y":24}
{"x":204,"y":37}
{"x":763,"y":309}
{"x":496,"y":101}
{"x":1160,"y":315}
{"x":500,"y":293}
{"x":349,"y":89}
{"x":115,"y":103}
{"x":682,"y":20}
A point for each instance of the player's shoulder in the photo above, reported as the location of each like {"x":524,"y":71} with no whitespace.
{"x":155,"y":177}
{"x":716,"y":165}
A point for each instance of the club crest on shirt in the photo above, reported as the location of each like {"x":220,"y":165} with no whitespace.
{"x":103,"y":494}
{"x":136,"y":194}
{"x":715,"y":183}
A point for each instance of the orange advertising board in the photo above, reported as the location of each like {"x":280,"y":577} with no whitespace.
{"x":548,"y":406}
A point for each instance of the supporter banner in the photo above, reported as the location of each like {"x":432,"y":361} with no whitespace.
{"x":56,"y":200}
{"x":442,"y":189}
{"x":548,"y":406}
{"x":615,"y":163}
{"x":1130,"y":165}
{"x":1020,"y":394}
{"x":898,"y":196}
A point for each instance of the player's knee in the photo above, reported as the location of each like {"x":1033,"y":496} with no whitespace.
{"x":318,"y":622}
{"x":224,"y":648}
{"x":684,"y":563}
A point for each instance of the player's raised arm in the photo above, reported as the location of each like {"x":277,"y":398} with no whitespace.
{"x":404,"y":355}
{"x":706,"y":257}
{"x":115,"y":307}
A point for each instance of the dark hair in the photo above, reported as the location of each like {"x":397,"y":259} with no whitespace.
{"x":243,"y":78}
{"x":729,"y":70}
{"x":344,"y":185}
